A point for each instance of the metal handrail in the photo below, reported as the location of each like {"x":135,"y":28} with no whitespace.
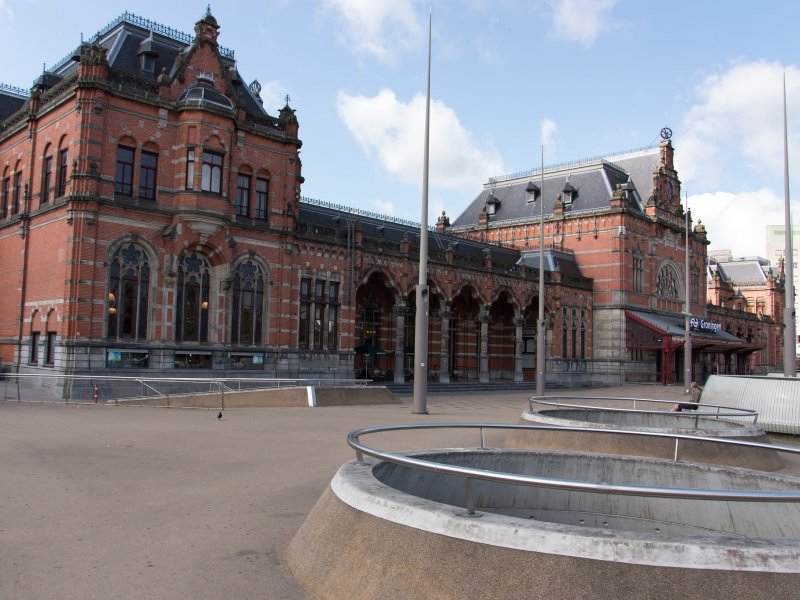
{"x":298,"y":380}
{"x":215,"y":384}
{"x":469,"y":473}
{"x":150,"y":387}
{"x":734,"y":412}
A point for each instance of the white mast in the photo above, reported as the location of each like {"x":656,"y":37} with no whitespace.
{"x":421,"y":320}
{"x":540,"y":334}
{"x":687,"y":344}
{"x":789,"y":331}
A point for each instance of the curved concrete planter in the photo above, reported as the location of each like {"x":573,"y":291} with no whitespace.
{"x":382,"y":531}
{"x":687,"y":423}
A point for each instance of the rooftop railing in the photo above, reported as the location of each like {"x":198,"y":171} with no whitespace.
{"x":127,"y":17}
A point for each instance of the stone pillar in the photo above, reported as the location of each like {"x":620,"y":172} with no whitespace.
{"x":399,"y":351}
{"x":483,"y":318}
{"x":518,"y":323}
{"x":444,"y":355}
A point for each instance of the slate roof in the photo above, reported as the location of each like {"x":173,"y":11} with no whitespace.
{"x":123,"y":40}
{"x":554,"y":260}
{"x":674,"y":325}
{"x":474,"y":252}
{"x":744,"y":271}
{"x":594,"y":182}
{"x":10,"y":102}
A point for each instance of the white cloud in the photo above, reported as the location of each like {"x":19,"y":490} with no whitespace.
{"x":487,"y":49}
{"x":738,"y":222}
{"x":393,"y":132}
{"x":735,"y":129}
{"x":379,"y":28}
{"x":6,"y":12}
{"x":548,"y":131}
{"x":273,"y":93}
{"x":581,"y":21}
{"x":385,"y":207}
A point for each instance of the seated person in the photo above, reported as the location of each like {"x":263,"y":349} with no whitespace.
{"x":695,"y":391}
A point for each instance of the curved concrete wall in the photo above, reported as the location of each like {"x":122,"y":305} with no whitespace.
{"x":365,"y":539}
{"x":691,"y":422}
{"x":777,"y":399}
{"x":650,"y":446}
{"x":608,"y":511}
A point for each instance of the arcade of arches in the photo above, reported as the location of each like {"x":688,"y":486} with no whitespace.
{"x":470,"y":337}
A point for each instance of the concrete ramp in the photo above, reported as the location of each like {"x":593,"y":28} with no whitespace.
{"x":311,"y":396}
{"x":777,"y":399}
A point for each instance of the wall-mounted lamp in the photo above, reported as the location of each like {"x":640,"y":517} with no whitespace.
{"x":204,"y":304}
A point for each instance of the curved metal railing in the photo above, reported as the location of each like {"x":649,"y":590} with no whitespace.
{"x":702,"y":410}
{"x":469,"y":473}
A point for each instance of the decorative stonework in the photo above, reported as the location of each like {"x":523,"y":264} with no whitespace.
{"x":667,"y":283}
{"x":94,"y":55}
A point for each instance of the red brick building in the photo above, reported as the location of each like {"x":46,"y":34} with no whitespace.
{"x":622,"y":220}
{"x":151,"y":220}
{"x":746,"y":296}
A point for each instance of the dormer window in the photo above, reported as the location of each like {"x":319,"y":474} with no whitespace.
{"x":147,"y":55}
{"x":533,"y":192}
{"x":628,"y":188}
{"x":492,"y":204}
{"x":148,"y":63}
{"x":569,"y":193}
{"x":205,"y":95}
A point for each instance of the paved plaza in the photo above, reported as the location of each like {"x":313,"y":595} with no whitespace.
{"x":111,"y":502}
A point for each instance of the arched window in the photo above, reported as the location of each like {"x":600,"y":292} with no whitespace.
{"x":574,"y":353}
{"x":62,"y":174}
{"x":5,"y":195}
{"x":211,"y":173}
{"x":148,"y":172}
{"x":243,"y":195}
{"x":638,"y":271}
{"x":191,"y":316}
{"x":16,"y":199}
{"x":247,"y":310}
{"x":47,"y":176}
{"x":667,"y":283}
{"x":128,"y":293}
{"x":123,"y":177}
{"x":262,"y":196}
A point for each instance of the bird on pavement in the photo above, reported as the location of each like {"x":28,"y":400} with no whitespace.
{"x":219,"y":416}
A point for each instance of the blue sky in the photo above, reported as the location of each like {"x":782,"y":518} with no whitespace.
{"x":581,"y":78}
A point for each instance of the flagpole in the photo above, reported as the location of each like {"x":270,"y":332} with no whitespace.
{"x":789,"y":331}
{"x":420,"y":406}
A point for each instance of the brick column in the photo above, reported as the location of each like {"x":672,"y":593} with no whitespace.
{"x":444,"y":354}
{"x":518,"y":323}
{"x":399,"y":351}
{"x":483,"y":318}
